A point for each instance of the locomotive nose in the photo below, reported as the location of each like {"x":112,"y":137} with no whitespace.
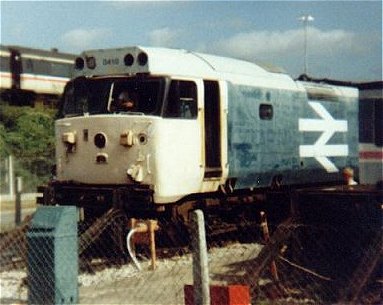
{"x":120,"y":145}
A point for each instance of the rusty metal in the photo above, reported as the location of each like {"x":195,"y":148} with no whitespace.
{"x":146,"y":235}
{"x":266,"y":237}
{"x":94,"y":232}
{"x":272,"y":249}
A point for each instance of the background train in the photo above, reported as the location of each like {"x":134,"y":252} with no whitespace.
{"x":203,"y":126}
{"x":28,"y":75}
{"x":371,"y":133}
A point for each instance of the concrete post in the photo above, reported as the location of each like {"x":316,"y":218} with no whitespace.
{"x":200,"y":261}
{"x":11,"y":177}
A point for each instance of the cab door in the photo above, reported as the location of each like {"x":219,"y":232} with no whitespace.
{"x":16,"y":69}
{"x":212,"y":123}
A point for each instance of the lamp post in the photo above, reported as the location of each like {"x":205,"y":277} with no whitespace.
{"x":306,"y":19}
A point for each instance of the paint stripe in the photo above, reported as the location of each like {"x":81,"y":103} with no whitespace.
{"x":27,"y":77}
{"x":44,"y":78}
{"x":371,"y":155}
{"x":46,"y":58}
{"x":69,"y":61}
{"x":5,"y":53}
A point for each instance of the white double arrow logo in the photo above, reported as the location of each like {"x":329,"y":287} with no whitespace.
{"x":320,"y":150}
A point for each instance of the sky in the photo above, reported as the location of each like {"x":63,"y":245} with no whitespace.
{"x":344,"y":41}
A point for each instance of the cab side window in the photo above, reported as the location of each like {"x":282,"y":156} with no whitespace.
{"x":182,"y":100}
{"x":266,"y":112}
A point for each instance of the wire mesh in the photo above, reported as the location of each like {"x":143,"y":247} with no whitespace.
{"x":300,"y":264}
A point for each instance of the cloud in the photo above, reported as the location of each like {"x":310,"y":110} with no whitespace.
{"x":268,"y":44}
{"x":81,"y":39}
{"x":164,"y":37}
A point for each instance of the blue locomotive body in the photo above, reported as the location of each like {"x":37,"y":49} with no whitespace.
{"x":266,"y":139}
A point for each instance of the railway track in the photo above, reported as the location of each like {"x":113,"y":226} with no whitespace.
{"x":102,"y":243}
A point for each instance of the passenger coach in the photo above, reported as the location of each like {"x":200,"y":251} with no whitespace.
{"x":27,"y":74}
{"x":371,"y":132}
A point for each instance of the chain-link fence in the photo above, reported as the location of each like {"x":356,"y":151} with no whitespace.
{"x":33,"y":172}
{"x":303,"y":262}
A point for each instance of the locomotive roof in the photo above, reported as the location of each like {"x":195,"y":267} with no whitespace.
{"x":132,"y":60}
{"x":36,"y":53}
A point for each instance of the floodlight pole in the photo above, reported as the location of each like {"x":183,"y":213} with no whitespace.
{"x":306,"y":19}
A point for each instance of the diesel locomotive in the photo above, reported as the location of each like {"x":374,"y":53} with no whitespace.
{"x":28,"y":75}
{"x":200,"y":126}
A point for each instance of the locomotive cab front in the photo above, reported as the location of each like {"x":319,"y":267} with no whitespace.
{"x":137,"y":133}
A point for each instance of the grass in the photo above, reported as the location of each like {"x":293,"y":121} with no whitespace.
{"x":9,"y":206}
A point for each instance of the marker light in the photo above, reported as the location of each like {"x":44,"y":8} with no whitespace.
{"x":69,"y":137}
{"x":128,"y":60}
{"x":102,"y":158}
{"x":142,"y":138}
{"x":142,"y":59}
{"x":126,"y":139}
{"x":91,"y":62}
{"x":79,"y":63}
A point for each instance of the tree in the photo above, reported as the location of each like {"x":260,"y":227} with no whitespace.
{"x":28,"y":134}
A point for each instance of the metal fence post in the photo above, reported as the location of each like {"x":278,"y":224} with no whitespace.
{"x":19,"y":188}
{"x":200,"y":262}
